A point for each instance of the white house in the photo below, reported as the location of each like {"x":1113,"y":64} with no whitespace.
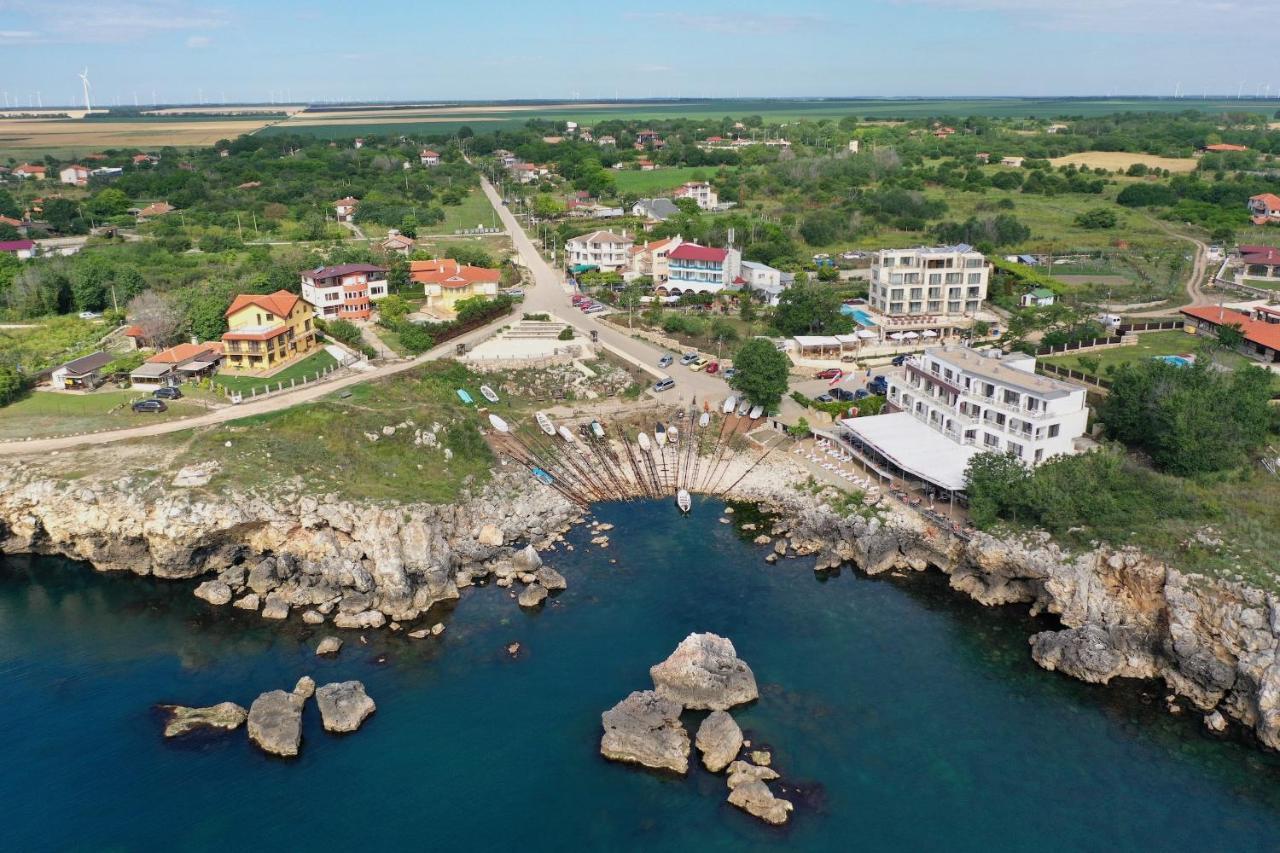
{"x":429,"y":158}
{"x":763,"y":280}
{"x":700,"y":269}
{"x":344,"y":292}
{"x":75,"y":175}
{"x":1040,"y":297}
{"x":942,"y":281}
{"x":345,"y":209}
{"x":604,"y":250}
{"x":953,"y":402}
{"x":701,"y":192}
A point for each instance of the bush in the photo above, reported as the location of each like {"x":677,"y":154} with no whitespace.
{"x":343,"y":331}
{"x":566,"y":334}
{"x":12,"y":385}
{"x":414,"y":338}
{"x":1097,"y":219}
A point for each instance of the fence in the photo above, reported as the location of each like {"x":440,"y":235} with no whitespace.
{"x":470,"y":232}
{"x":294,"y":382}
{"x":1158,"y":326}
{"x":1079,"y":376}
{"x":1094,"y":343}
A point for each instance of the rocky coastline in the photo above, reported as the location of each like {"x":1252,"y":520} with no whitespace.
{"x":1123,"y":614}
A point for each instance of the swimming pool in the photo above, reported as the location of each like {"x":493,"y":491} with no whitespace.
{"x":862,"y":318}
{"x":1179,"y":360}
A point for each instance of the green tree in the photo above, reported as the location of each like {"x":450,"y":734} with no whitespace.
{"x":11,"y":384}
{"x":206,"y":314}
{"x":108,"y":203}
{"x":1230,"y":336}
{"x":997,"y":485}
{"x":807,"y":309}
{"x":762,"y":372}
{"x":629,"y":298}
{"x":415,"y":338}
{"x":1097,"y":219}
{"x":392,"y":309}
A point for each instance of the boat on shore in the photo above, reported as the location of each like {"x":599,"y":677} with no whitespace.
{"x":730,"y":404}
{"x":744,"y":407}
{"x":544,"y":423}
{"x":704,"y":419}
{"x":597,"y":429}
{"x":499,"y":424}
{"x":673,"y":435}
{"x":756,"y":412}
{"x":643,"y":441}
{"x":566,"y":434}
{"x":488,"y":393}
{"x":684,"y":501}
{"x":543,"y":477}
{"x":660,"y":435}
{"x":465,"y":397}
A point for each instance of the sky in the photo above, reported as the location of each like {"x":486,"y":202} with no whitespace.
{"x":192,"y":51}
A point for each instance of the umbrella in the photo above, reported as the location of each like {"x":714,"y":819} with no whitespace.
{"x":865,"y":335}
{"x":912,"y":335}
{"x":897,"y":336}
{"x":930,"y":333}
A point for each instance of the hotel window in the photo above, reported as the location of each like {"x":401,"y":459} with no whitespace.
{"x":990,"y":440}
{"x":1015,"y":449}
{"x":975,"y":278}
{"x":1053,"y":430}
{"x":972,"y":262}
{"x":935,"y":278}
{"x":1011,"y":397}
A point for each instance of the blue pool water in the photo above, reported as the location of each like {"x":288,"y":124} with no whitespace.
{"x":862,"y":318}
{"x":1177,"y":360}
{"x":911,"y":718}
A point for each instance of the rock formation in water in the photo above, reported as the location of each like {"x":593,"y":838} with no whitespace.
{"x":719,"y":739}
{"x":705,"y":673}
{"x":275,"y":722}
{"x":183,"y":719}
{"x":329,"y":646}
{"x":645,"y":729}
{"x":748,"y":791}
{"x":344,"y":706}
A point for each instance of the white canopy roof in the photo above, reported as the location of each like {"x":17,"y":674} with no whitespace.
{"x":915,"y":447}
{"x":848,"y":339}
{"x":805,"y":341}
{"x":866,"y":334}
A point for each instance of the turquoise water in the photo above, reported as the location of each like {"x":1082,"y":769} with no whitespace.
{"x":862,"y":318}
{"x":911,"y":719}
{"x":1176,"y":360}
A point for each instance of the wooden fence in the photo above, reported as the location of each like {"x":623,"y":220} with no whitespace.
{"x":1158,"y":326}
{"x":1113,"y":341}
{"x":1078,"y":376}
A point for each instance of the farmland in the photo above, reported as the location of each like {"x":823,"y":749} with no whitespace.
{"x":72,"y":137}
{"x":1113,"y":160}
{"x":659,"y":180}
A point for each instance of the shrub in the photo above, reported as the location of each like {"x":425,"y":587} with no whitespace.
{"x":343,"y":331}
{"x":12,"y":385}
{"x":566,"y":334}
{"x":414,"y":338}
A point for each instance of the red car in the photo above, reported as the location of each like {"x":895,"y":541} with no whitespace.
{"x":830,"y":373}
{"x":713,"y":367}
{"x":579,"y":298}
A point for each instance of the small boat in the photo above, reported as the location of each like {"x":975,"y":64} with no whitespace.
{"x":543,"y":476}
{"x":684,"y":501}
{"x":544,"y":423}
{"x":488,"y":393}
{"x":643,"y":441}
{"x":756,"y":411}
{"x":597,"y":430}
{"x":729,"y":405}
{"x":499,"y":424}
{"x":673,"y":435}
{"x":744,"y":407}
{"x":704,"y":420}
{"x":465,"y":397}
{"x":566,"y":434}
{"x":660,"y":435}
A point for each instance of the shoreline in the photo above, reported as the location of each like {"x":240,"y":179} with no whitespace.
{"x":359,"y":566}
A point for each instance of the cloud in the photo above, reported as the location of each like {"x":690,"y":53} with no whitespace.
{"x":1102,"y":16}
{"x":199,"y":41}
{"x":106,"y":22}
{"x":736,"y":24}
{"x":654,"y":69}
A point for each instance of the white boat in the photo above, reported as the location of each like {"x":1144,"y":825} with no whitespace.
{"x":544,"y":423}
{"x":660,"y":435}
{"x":683,"y":500}
{"x":499,"y":424}
{"x":729,"y":405}
{"x":597,"y":430}
{"x":488,"y":394}
{"x":744,"y":407}
{"x":704,"y":420}
{"x":756,"y":411}
{"x":673,"y":435}
{"x":643,"y":441}
{"x":565,"y":434}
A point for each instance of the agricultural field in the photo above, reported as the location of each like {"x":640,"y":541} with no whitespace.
{"x":72,"y":137}
{"x":660,"y":180}
{"x":1122,"y":160}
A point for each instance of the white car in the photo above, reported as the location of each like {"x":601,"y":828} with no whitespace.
{"x":89,"y":315}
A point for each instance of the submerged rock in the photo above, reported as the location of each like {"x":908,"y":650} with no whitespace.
{"x":215,"y":592}
{"x":532,"y":596}
{"x":757,"y":800}
{"x":645,"y":729}
{"x":344,"y":706}
{"x":719,"y":739}
{"x":182,"y":719}
{"x":705,"y":673}
{"x":275,"y":722}
{"x":329,"y":646}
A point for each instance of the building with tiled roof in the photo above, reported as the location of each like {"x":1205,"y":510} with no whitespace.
{"x":650,"y":259}
{"x":160,"y":208}
{"x":344,"y":292}
{"x":1260,"y":327}
{"x":1223,"y":148}
{"x":445,"y":282}
{"x":266,"y":332}
{"x":178,"y":363}
{"x":700,"y":269}
{"x":1265,"y":209}
{"x":602,"y":250}
{"x":429,"y":158}
{"x":75,"y":175}
{"x":345,"y":208}
{"x":29,"y":170}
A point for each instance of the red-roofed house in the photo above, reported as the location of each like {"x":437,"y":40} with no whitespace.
{"x":29,"y":170}
{"x":651,"y":259}
{"x":700,"y":269}
{"x":160,"y":208}
{"x":145,"y":159}
{"x":267,"y":332}
{"x":185,"y":361}
{"x":344,"y":292}
{"x":429,"y":158}
{"x":445,"y":282}
{"x":345,"y":208}
{"x":1260,"y":261}
{"x":75,"y":174}
{"x":1265,"y":208}
{"x":136,"y":337}
{"x":1223,"y":148}
{"x":1261,"y":329}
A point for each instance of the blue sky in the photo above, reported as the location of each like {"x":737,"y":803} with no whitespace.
{"x":239,"y":50}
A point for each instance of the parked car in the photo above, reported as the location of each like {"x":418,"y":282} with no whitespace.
{"x":89,"y":315}
{"x":151,"y":404}
{"x":688,"y":358}
{"x":579,"y":298}
{"x":824,"y":398}
{"x":844,"y":395}
{"x":861,"y":394}
{"x":713,"y":367}
{"x":168,"y":392}
{"x":698,"y":364}
{"x":899,"y":360}
{"x":829,"y":373}
{"x":664,"y":384}
{"x":879,"y":385}
{"x":665,"y":361}
{"x":730,"y":373}
{"x":595,"y":309}
{"x":516,"y":292}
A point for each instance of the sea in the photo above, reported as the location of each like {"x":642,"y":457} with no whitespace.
{"x":900,"y":715}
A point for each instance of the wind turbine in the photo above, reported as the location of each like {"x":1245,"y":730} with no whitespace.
{"x":84,"y":80}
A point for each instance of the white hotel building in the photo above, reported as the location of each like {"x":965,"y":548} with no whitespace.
{"x":946,"y":281}
{"x":952,"y":402}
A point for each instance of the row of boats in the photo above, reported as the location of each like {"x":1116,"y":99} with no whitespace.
{"x":744,"y":408}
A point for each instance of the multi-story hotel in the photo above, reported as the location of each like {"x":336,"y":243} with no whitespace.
{"x":604,"y":250}
{"x":940,"y":281}
{"x":701,"y":269}
{"x":344,"y":292}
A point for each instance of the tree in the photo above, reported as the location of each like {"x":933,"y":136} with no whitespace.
{"x":392,"y":309}
{"x":157,"y":316}
{"x":11,"y":384}
{"x":762,"y":372}
{"x":108,"y":203}
{"x":631,"y":295}
{"x":800,"y":429}
{"x":996,"y":484}
{"x":747,"y":308}
{"x":806,"y":309}
{"x":1230,"y":336}
{"x":415,"y":338}
{"x":206,"y":314}
{"x":1096,"y":219}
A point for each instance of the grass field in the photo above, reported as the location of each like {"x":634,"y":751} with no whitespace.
{"x":45,"y":413}
{"x":475,"y":211}
{"x":69,"y":137}
{"x":660,"y":180}
{"x":305,"y":368}
{"x":1154,"y":345}
{"x":1122,"y":160}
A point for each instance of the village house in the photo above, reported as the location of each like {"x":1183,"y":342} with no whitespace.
{"x":29,"y":170}
{"x":602,"y":250}
{"x":344,"y":292}
{"x":176,"y":364}
{"x":268,"y":332}
{"x":1260,"y":327}
{"x":106,"y":172}
{"x":700,"y":269}
{"x":646,"y":165}
{"x":75,"y":175}
{"x":445,"y":282}
{"x":649,"y":137}
{"x":764,"y":281}
{"x":151,"y":211}
{"x":429,"y":158}
{"x":655,"y":209}
{"x":1055,"y":128}
{"x":145,"y":159}
{"x":1260,"y":261}
{"x":1264,"y":209}
{"x":1223,"y":148}
{"x":21,"y":249}
{"x":358,"y":142}
{"x":1040,"y":297}
{"x":701,"y":192}
{"x":136,"y":337}
{"x":1011,"y":162}
{"x":84,"y":373}
{"x":344,"y":209}
{"x":398,"y":243}
{"x":650,"y":259}
{"x":983,"y":157}
{"x":607,"y":141}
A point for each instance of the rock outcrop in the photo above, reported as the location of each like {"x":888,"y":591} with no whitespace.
{"x":183,"y":719}
{"x":329,"y":646}
{"x":532,"y":596}
{"x":705,"y":673}
{"x":757,"y":800}
{"x":645,"y":729}
{"x":344,"y":706}
{"x":275,"y":722}
{"x":719,"y":739}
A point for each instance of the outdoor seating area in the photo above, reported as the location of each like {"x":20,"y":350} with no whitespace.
{"x":830,"y":457}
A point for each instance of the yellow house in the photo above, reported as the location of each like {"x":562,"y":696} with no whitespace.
{"x":446,"y":282}
{"x":265,"y":333}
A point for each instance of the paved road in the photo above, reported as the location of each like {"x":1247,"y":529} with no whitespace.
{"x":551,"y":296}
